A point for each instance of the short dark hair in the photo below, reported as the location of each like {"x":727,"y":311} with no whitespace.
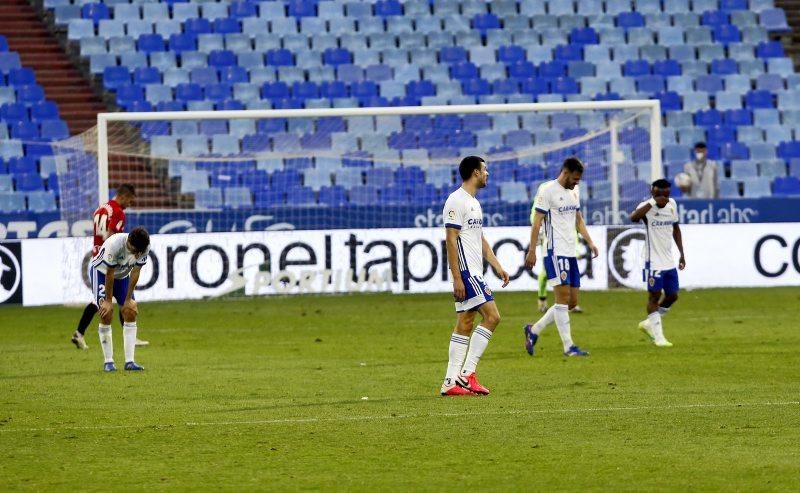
{"x":572,"y":164}
{"x":661,"y":183}
{"x":700,"y":145}
{"x":139,"y":239}
{"x":468,"y":166}
{"x":126,"y":189}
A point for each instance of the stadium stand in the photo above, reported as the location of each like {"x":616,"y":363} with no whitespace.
{"x":716,"y":66}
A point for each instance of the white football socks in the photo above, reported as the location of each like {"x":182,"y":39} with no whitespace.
{"x":655,"y":326}
{"x":129,"y":339}
{"x":477,"y":345}
{"x":106,"y":343}
{"x":562,"y":322}
{"x":662,"y":311}
{"x":457,"y":353}
{"x":547,"y":319}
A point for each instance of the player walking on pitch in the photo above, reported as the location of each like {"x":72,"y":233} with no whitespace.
{"x":466,"y":249}
{"x":108,"y":219}
{"x":114,"y":272}
{"x":660,"y":217}
{"x":558,"y":207}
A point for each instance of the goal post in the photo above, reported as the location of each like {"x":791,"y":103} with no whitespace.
{"x":599,"y":145}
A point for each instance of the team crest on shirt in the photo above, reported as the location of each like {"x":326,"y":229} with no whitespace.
{"x":487,"y":290}
{"x":563,"y":276}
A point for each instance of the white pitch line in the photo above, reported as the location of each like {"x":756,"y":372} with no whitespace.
{"x":403,"y":416}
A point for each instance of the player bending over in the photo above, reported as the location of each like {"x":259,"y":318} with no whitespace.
{"x":114,"y":272}
{"x":466,"y":249}
{"x":558,"y":207}
{"x":660,"y":216}
{"x":108,"y":219}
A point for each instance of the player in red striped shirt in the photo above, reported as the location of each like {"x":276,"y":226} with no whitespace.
{"x":108,"y":219}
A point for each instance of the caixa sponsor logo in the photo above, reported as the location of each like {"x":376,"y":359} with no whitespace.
{"x":773,"y":255}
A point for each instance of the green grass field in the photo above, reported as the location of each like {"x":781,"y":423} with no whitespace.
{"x":268,"y":394}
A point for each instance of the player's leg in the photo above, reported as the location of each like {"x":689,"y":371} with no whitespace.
{"x":671,"y":287}
{"x":533,"y":331}
{"x":542,"y":279}
{"x":129,"y":327}
{"x":88,"y":314}
{"x":657,"y":281}
{"x":568,"y":299}
{"x":490,"y":319}
{"x":457,"y":353}
{"x":104,"y":328}
{"x":653,"y":296}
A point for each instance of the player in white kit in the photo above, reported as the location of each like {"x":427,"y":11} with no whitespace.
{"x":558,"y":207}
{"x":660,"y":217}
{"x":114,"y":272}
{"x":466,"y":249}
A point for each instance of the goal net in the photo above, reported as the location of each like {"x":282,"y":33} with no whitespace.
{"x":355,"y":168}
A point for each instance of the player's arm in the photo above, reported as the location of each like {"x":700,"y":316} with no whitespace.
{"x":530,"y":258}
{"x":642,"y":210}
{"x":130,"y":308}
{"x":645,"y":207}
{"x":459,"y":291}
{"x":678,"y":237}
{"x":581,"y":226}
{"x":490,"y":257}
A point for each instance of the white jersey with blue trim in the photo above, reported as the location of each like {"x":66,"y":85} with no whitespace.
{"x":114,"y":253}
{"x":657,"y":253}
{"x":462,"y":211}
{"x":560,"y":207}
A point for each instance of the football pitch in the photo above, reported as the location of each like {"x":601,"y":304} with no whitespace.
{"x":341,"y":393}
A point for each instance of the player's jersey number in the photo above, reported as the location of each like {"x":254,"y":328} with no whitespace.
{"x":101,"y":225}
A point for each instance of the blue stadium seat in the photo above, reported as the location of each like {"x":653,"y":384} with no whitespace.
{"x":25,"y":131}
{"x":729,"y":189}
{"x":21,"y":77}
{"x":208,"y":198}
{"x":51,"y":130}
{"x":787,"y":186}
{"x":770,"y":49}
{"x":774,"y":20}
{"x":334,"y":196}
{"x":270,"y":198}
{"x":29,"y":182}
{"x":42,"y":201}
{"x":628,"y":20}
{"x":759,"y":99}
{"x":44,"y":110}
{"x":363,"y":195}
{"x":237,"y":198}
{"x":12,"y":202}
{"x":772,"y":169}
{"x":757,"y":188}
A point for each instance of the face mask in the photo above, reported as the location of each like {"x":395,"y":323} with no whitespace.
{"x":700,"y":155}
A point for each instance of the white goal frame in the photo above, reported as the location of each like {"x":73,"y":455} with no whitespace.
{"x":653,"y":105}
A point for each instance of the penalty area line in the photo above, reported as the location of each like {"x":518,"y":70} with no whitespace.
{"x":389,"y":417}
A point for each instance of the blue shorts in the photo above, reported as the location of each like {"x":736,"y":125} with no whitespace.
{"x":477,"y":293}
{"x":562,"y":271}
{"x":662,"y":279}
{"x":99,"y":287}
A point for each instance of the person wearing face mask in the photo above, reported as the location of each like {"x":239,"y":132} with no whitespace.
{"x":704,"y":175}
